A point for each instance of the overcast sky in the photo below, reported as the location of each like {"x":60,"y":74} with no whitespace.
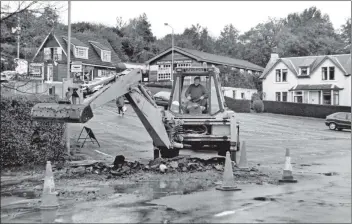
{"x":211,"y":14}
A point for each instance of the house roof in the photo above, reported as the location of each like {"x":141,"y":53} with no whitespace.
{"x":316,"y":87}
{"x":80,"y":39}
{"x":211,"y":58}
{"x":342,"y":61}
{"x":99,"y":45}
{"x":75,"y":41}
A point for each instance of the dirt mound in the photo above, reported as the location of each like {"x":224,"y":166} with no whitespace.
{"x":175,"y":165}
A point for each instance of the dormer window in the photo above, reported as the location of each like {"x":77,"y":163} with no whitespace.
{"x":106,"y":56}
{"x":81,"y":52}
{"x":304,"y":71}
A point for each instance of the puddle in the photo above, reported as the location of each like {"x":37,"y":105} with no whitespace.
{"x":154,"y":189}
{"x":264,"y":199}
{"x":20,"y":193}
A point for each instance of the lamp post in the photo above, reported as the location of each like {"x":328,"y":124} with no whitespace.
{"x":172,"y":54}
{"x":68,"y":146}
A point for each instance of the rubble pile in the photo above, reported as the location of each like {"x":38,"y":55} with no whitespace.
{"x":174,"y":165}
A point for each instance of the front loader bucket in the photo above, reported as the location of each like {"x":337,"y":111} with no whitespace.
{"x":69,"y":113}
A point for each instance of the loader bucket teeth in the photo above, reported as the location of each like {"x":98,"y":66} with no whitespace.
{"x":69,"y":113}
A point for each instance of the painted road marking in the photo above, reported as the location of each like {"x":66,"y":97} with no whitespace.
{"x":103,"y":153}
{"x":241,"y":209}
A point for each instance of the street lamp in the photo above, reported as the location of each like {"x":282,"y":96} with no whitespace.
{"x":172,"y":54}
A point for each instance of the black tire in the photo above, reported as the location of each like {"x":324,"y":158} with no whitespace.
{"x":222,"y":148}
{"x":169,"y":153}
{"x":332,"y":126}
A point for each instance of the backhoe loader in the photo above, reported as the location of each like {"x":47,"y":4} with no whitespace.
{"x":182,"y":125}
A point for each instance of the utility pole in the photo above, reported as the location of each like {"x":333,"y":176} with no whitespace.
{"x":68,"y":73}
{"x":18,"y":36}
{"x":172,"y":54}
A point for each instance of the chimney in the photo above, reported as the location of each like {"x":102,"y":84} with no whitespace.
{"x":274,"y":55}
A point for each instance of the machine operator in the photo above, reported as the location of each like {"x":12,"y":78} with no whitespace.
{"x":196,"y":93}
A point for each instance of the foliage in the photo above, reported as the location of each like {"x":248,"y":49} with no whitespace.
{"x":255,"y":96}
{"x":18,"y":144}
{"x":258,"y":106}
{"x":234,"y":78}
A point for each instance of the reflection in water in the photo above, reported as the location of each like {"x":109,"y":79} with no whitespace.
{"x":48,"y":215}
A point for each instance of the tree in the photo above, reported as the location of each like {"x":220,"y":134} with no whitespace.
{"x":259,"y":41}
{"x":227,"y":44}
{"x":346,"y":33}
{"x":311,"y":32}
{"x":11,"y":9}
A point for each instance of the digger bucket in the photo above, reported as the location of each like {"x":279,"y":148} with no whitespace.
{"x":68,"y":113}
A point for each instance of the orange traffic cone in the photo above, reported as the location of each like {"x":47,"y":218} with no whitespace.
{"x":49,"y":199}
{"x":287,"y":174}
{"x":243,"y":164}
{"x":228,"y":182}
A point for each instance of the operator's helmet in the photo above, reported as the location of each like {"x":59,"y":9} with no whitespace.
{"x":175,"y":106}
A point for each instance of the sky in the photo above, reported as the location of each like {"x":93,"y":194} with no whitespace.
{"x":211,"y":14}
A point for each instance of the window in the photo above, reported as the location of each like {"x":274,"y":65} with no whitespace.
{"x":281,"y":75}
{"x":278,"y":96}
{"x":164,"y":76}
{"x":327,"y":97}
{"x":106,"y":56}
{"x":278,"y":75}
{"x":47,"y":53}
{"x":324,"y":73}
{"x":336,"y":97}
{"x":234,"y":94}
{"x":298,"y":98}
{"x":304,"y":71}
{"x":284,"y":96}
{"x":57,"y":56}
{"x":81,"y":52}
{"x":284,"y":75}
{"x":332,"y":73}
{"x":105,"y":73}
{"x":328,"y":73}
{"x":242,"y":95}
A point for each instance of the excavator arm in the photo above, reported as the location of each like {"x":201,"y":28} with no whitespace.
{"x":129,"y":85}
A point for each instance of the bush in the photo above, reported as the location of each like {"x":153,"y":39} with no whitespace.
{"x":258,"y":106}
{"x":19,"y":143}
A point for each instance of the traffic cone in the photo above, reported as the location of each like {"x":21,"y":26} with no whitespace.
{"x":49,"y":199}
{"x":243,"y":164}
{"x":287,"y":174}
{"x":228,"y":182}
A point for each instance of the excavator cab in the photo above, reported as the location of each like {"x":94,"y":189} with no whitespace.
{"x":212,"y":102}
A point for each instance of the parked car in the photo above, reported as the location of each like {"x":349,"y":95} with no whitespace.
{"x":338,"y":121}
{"x":6,"y":76}
{"x":162,"y":99}
{"x":125,"y":72}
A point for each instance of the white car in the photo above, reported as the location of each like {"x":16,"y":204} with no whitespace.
{"x":125,"y":72}
{"x":7,"y":75}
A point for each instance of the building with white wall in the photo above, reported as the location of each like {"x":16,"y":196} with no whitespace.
{"x":238,"y":93}
{"x":322,"y":79}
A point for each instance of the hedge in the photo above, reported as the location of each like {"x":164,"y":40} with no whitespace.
{"x":303,"y":109}
{"x":240,"y":106}
{"x":19,"y":145}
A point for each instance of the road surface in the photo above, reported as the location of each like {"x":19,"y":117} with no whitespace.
{"x":321,"y":161}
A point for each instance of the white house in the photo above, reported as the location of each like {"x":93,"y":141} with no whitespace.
{"x":238,"y":93}
{"x":322,"y":79}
